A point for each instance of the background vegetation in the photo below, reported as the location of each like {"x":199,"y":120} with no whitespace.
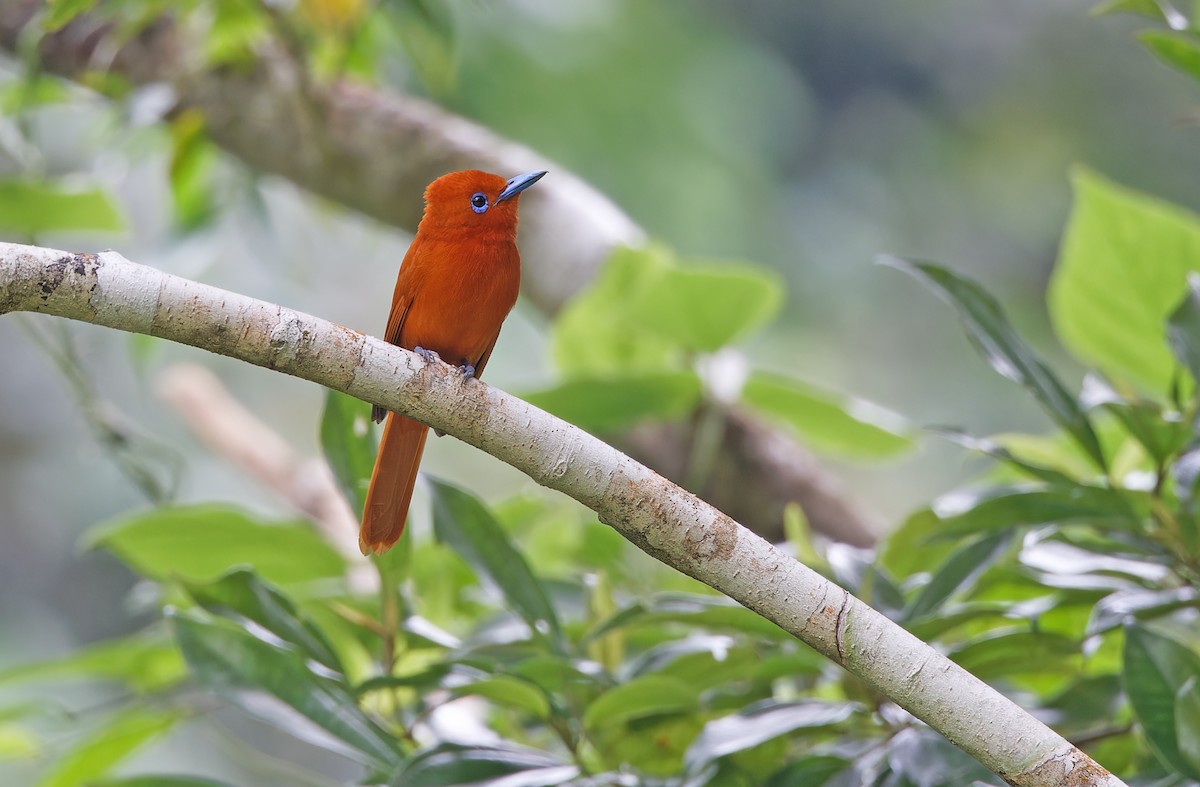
{"x":201,"y":630}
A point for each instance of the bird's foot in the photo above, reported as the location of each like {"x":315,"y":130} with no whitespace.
{"x":468,"y":371}
{"x":429,"y":355}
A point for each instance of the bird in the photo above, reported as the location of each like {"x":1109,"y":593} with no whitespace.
{"x":457,"y":283}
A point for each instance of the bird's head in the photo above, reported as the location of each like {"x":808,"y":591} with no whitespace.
{"x":474,"y":199}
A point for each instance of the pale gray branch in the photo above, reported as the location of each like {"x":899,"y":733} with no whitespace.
{"x":662,"y":519}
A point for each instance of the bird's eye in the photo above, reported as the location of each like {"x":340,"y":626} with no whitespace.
{"x":479,"y":203}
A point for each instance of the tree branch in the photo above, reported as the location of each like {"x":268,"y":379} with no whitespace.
{"x":374,"y":151}
{"x":668,"y":523}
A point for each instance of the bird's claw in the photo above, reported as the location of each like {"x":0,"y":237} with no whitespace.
{"x":429,"y":355}
{"x":468,"y":371}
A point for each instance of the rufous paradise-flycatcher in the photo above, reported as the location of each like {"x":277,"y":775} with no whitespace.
{"x":457,"y":283}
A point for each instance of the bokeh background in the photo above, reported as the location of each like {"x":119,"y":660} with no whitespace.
{"x":808,"y":137}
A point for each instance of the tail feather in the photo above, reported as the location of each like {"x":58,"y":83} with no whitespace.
{"x":392,"y":484}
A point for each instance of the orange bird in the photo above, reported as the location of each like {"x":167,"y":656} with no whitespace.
{"x":458,"y":282}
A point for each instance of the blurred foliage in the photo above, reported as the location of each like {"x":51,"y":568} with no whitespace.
{"x":525,"y":642}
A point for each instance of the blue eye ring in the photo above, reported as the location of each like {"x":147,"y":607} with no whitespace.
{"x":479,"y":202}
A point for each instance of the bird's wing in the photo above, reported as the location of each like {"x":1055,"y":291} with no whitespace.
{"x":401,"y":304}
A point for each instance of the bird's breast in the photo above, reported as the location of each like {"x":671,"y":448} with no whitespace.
{"x":464,"y":292}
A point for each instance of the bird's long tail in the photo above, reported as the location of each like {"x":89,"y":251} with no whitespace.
{"x":392,"y":484}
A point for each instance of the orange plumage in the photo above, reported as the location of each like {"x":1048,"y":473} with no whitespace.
{"x":458,"y":282}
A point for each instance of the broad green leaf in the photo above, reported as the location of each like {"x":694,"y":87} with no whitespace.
{"x":231,"y":661}
{"x":990,"y":332}
{"x":463,"y":523}
{"x":1187,"y":722}
{"x":1115,"y":608}
{"x":200,"y":543}
{"x":913,"y":547}
{"x":116,"y":739}
{"x":1121,"y":270}
{"x":1107,"y":508}
{"x":644,"y":696}
{"x":712,"y":612}
{"x":450,"y":765}
{"x":646,"y":311}
{"x":1175,"y":49}
{"x":960,"y":571}
{"x":828,"y":421}
{"x":706,"y":306}
{"x":758,"y":724}
{"x":1183,"y":328}
{"x":991,"y":448}
{"x":145,"y":662}
{"x":508,"y":692}
{"x":1161,"y":436}
{"x":30,"y":208}
{"x":1156,"y":668}
{"x":611,"y":403}
{"x":241,"y":595}
{"x":808,"y":771}
{"x":593,"y":335}
{"x":63,"y":11}
{"x":1007,"y":654}
{"x":349,"y":445}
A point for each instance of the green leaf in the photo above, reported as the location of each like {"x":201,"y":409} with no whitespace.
{"x":990,"y":331}
{"x":757,"y":724}
{"x":608,"y":404}
{"x":1107,"y":508}
{"x":1115,"y":608}
{"x":200,"y":543}
{"x":509,"y":692}
{"x":145,"y":662}
{"x":713,"y":612}
{"x":828,"y":421}
{"x":349,"y":445}
{"x":1162,"y":433}
{"x":193,"y":162}
{"x":706,"y":306}
{"x":62,"y":12}
{"x":1121,"y":270}
{"x":119,"y":737}
{"x":1156,"y":669}
{"x":1158,"y":10}
{"x":809,"y":771}
{"x":450,"y":765}
{"x":239,"y":666}
{"x":642,"y":697}
{"x":960,"y":571}
{"x":463,"y":523}
{"x":645,"y":311}
{"x":1006,"y":654}
{"x":1175,"y":49}
{"x":30,"y":208}
{"x":594,"y":335}
{"x":991,"y":448}
{"x":1187,"y":722}
{"x":242,"y":596}
{"x":1183,"y":328}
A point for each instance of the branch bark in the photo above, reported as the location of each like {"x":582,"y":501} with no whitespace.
{"x":374,"y":152}
{"x":662,"y":519}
